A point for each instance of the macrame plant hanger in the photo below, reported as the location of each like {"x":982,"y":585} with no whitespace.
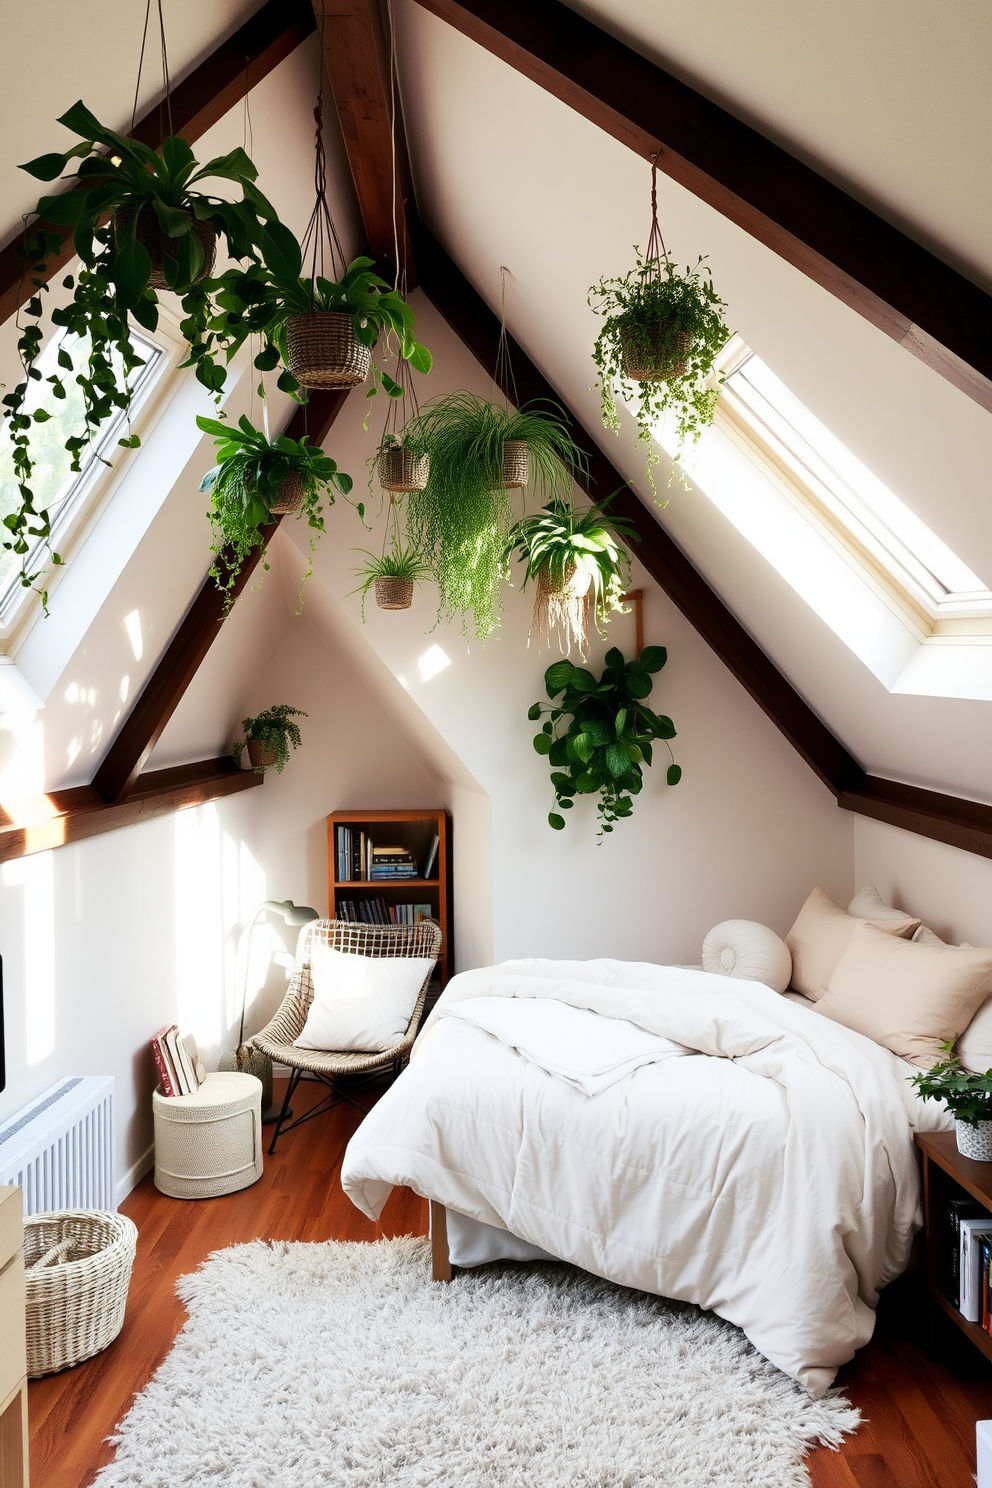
{"x":516,"y":456}
{"x":657,"y":253}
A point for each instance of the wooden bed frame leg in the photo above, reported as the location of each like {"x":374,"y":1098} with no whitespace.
{"x":440,"y":1261}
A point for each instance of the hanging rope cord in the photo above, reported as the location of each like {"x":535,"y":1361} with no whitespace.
{"x":503,"y":376}
{"x":166,"y":81}
{"x":657,"y":253}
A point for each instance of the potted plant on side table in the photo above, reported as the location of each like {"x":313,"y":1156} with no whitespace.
{"x":967,"y":1096}
{"x":268,"y":738}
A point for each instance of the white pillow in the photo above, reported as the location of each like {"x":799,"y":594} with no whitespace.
{"x":743,"y":948}
{"x":868,"y":904}
{"x":361,"y":1003}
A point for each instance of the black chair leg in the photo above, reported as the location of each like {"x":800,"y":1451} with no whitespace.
{"x":294,"y":1080}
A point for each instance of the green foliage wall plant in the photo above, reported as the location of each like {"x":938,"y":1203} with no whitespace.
{"x":600,"y":732}
{"x":967,"y":1096}
{"x":275,"y":730}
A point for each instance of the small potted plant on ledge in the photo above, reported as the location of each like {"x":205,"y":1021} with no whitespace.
{"x":268,"y":738}
{"x":967,"y":1096}
{"x":255,"y":479}
{"x":579,"y":567}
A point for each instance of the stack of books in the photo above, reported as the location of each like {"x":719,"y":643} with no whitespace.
{"x":378,"y":912}
{"x":389,"y":863}
{"x":970,"y":1261}
{"x":359,"y":860}
{"x":175,"y":1061}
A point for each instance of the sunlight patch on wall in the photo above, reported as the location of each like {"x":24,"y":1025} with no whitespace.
{"x":132,"y":624}
{"x":433,"y":661}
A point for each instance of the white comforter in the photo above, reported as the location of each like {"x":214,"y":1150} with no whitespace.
{"x":774,"y":1181}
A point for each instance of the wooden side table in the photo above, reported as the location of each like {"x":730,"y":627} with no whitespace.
{"x":13,"y":1353}
{"x":947,"y":1175}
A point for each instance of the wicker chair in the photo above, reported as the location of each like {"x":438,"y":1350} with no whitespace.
{"x":277,"y":1039}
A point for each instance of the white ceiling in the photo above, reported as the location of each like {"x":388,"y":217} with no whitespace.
{"x":506,"y":174}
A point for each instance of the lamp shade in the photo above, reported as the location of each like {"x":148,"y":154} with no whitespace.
{"x":293,"y":914}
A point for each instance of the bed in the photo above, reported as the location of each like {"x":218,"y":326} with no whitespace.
{"x":766,"y":1171}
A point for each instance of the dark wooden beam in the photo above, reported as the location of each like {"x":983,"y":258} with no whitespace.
{"x":198,"y":102}
{"x":199,"y":628}
{"x":71,"y":815}
{"x":355,"y":43}
{"x":929,"y":308}
{"x":945,"y":818}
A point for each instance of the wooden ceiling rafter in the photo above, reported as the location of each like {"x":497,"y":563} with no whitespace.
{"x":909,"y":293}
{"x":217,"y":85}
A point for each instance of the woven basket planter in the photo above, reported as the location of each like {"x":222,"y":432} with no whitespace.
{"x":150,"y":236}
{"x":656,"y":364}
{"x":78,"y":1268}
{"x":393,"y":594}
{"x":262,"y":756}
{"x":975,"y":1141}
{"x":516,"y":464}
{"x":401,"y":470}
{"x":324,"y":352}
{"x":289,"y":497}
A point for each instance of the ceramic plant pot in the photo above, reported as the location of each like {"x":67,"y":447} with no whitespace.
{"x":975,"y":1141}
{"x":393,"y":594}
{"x":324,"y":351}
{"x":654,"y":362}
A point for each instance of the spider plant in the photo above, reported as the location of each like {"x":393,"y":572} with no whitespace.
{"x":662,"y":334}
{"x":461,"y":521}
{"x":140,"y":220}
{"x":254,"y":479}
{"x":579,"y":566}
{"x":403,"y":564}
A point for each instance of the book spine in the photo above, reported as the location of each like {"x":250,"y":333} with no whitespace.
{"x":984,"y":1252}
{"x":954,"y":1268}
{"x":164,"y":1077}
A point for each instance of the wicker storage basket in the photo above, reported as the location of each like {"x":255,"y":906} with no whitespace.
{"x":289,"y":497}
{"x":262,"y":756}
{"x":640,"y":366}
{"x":401,"y":470}
{"x":393,"y":594}
{"x":150,"y":236}
{"x":323,"y":350}
{"x":516,"y":464}
{"x":78,"y":1267}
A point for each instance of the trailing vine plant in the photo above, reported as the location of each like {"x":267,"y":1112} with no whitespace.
{"x":656,"y":351}
{"x":599,"y":733}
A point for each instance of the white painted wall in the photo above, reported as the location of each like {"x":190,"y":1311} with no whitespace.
{"x":950,"y":889}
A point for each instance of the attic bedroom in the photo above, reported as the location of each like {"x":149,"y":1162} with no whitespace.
{"x":496,"y":692}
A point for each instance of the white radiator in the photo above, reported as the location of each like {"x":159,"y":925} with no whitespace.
{"x":60,"y":1147}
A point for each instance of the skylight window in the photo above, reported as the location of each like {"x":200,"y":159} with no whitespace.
{"x":844,"y":494}
{"x":66,"y":493}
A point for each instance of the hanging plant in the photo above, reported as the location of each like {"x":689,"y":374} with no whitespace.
{"x":320,"y":319}
{"x":140,"y":223}
{"x":401,"y":463}
{"x":392,"y":575}
{"x":269,"y":737}
{"x":579,"y":566}
{"x":598,"y":734}
{"x":656,"y":351}
{"x":256,"y":478}
{"x":461,"y":520}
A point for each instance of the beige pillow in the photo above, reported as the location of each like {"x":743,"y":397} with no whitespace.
{"x":910,"y":998}
{"x":974,"y":1047}
{"x":819,"y":938}
{"x":868,"y":904}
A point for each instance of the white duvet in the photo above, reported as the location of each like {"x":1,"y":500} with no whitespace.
{"x":769,"y":1176}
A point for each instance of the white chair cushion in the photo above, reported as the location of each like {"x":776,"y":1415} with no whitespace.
{"x":743,"y":948}
{"x":361,"y":1003}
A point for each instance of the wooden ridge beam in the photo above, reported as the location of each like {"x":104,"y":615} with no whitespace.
{"x":355,"y":44}
{"x":929,"y":308}
{"x":121,"y":767}
{"x":72,"y":815}
{"x":197,"y":102}
{"x":945,"y":818}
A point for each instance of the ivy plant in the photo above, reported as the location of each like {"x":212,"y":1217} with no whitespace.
{"x":967,"y":1096}
{"x":123,"y":199}
{"x":275,"y":731}
{"x":600,"y":732}
{"x":670,"y":323}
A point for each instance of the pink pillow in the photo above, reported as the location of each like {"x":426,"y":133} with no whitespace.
{"x":819,"y":938}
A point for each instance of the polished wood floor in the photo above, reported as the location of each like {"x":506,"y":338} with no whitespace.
{"x":920,"y":1410}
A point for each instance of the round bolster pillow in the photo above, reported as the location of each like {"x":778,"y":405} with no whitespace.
{"x":743,"y":948}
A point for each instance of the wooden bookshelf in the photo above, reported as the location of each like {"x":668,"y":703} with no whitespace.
{"x":949,"y":1175}
{"x":413,"y":830}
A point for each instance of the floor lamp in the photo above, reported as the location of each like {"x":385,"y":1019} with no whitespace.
{"x":245,"y":1058}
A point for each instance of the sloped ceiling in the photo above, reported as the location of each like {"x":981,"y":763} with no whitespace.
{"x":506,"y":174}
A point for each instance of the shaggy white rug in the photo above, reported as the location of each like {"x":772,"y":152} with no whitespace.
{"x":342,"y":1365}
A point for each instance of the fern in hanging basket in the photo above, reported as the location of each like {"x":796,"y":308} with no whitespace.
{"x":663,"y":332}
{"x":248,"y":486}
{"x":579,"y":566}
{"x":460,"y":521}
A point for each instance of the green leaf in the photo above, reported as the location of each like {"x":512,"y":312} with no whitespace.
{"x":653,"y":658}
{"x":556,"y":821}
{"x":664,"y":728}
{"x":616,"y":761}
{"x":588,"y":782}
{"x":281,"y":252}
{"x":45,"y":167}
{"x":63,"y":210}
{"x":420,"y":358}
{"x":534,"y":712}
{"x":562,"y":783}
{"x":638,"y":685}
{"x":542,"y":744}
{"x":583,"y":681}
{"x":558,"y":677}
{"x":131,"y":272}
{"x":674,"y":774}
{"x":582,"y":748}
{"x":620,"y":722}
{"x":173,"y":221}
{"x":132,"y":441}
{"x":558,"y":753}
{"x":614,"y":658}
